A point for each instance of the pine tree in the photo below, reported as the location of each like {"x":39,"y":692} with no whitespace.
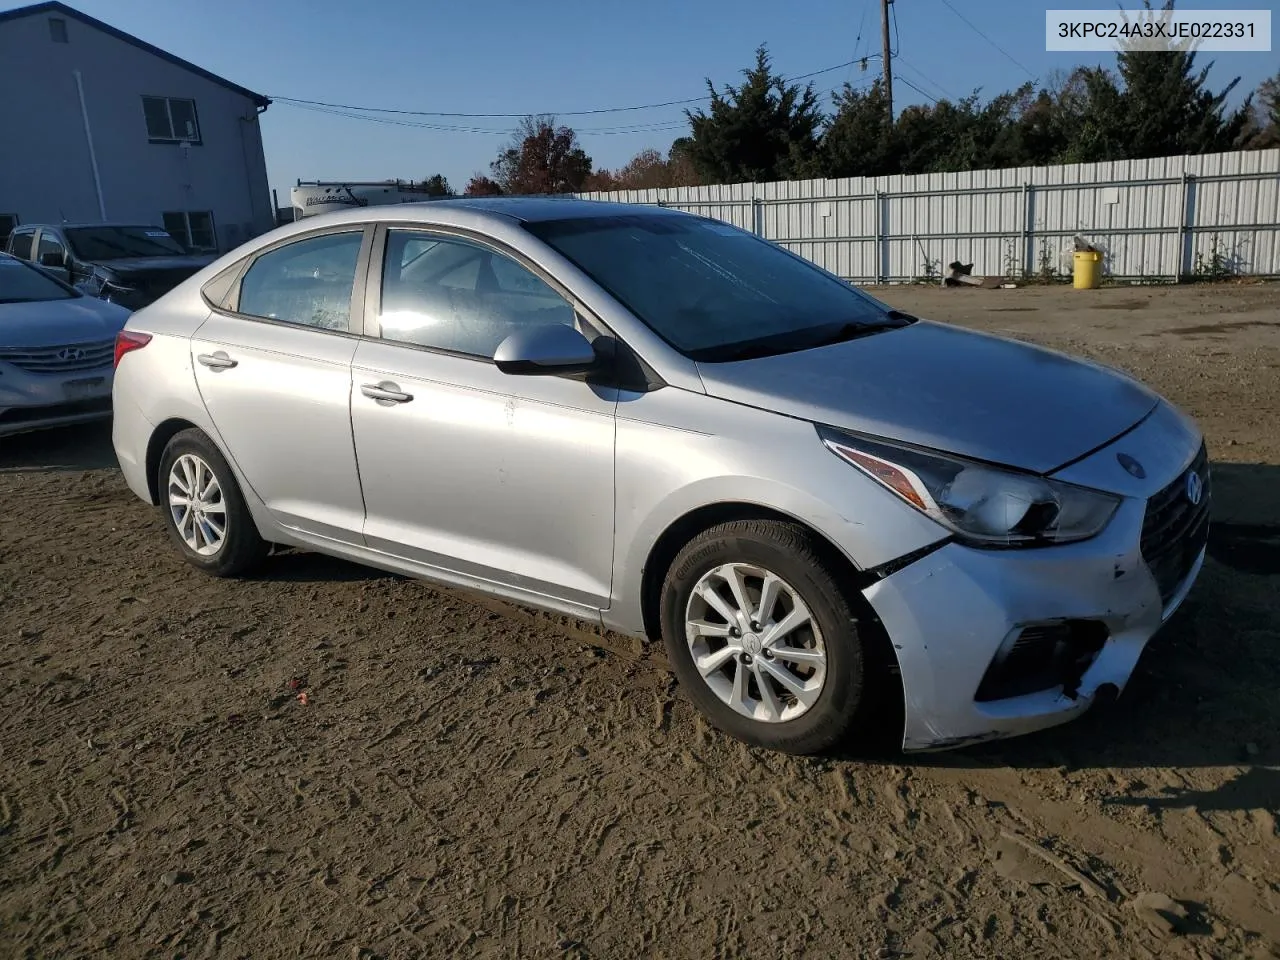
{"x":764,"y":129}
{"x":857,"y":141}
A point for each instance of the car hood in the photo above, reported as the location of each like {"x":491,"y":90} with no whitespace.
{"x":51,"y":323}
{"x":145,"y":266}
{"x":937,"y":386}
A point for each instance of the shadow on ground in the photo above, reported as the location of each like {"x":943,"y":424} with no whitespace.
{"x":298,"y":566}
{"x":84,"y":447}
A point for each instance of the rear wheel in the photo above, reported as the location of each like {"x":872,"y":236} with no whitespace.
{"x":762,"y":637}
{"x":204,"y":510}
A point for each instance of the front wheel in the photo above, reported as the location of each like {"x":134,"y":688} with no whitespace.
{"x":763,"y":638}
{"x":204,"y":511}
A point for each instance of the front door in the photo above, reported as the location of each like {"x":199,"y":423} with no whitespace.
{"x":51,"y":248}
{"x":498,"y":481}
{"x":275,"y":376}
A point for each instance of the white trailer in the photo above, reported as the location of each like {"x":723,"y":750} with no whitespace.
{"x":312,"y":197}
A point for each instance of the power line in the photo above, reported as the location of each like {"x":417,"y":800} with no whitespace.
{"x":1008,"y":55}
{"x":295,"y":101}
{"x":925,"y":77}
{"x":657,"y":127}
{"x":927,"y":96}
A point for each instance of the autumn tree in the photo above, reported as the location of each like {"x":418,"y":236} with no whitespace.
{"x":763,"y":129}
{"x":1266,"y":120}
{"x":684,"y":172}
{"x":481,"y":186}
{"x":542,"y":158}
{"x":647,"y":170}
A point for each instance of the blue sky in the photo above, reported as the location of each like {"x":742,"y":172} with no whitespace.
{"x":516,"y":56}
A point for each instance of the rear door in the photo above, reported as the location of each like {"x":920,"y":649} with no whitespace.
{"x":499,"y":481}
{"x":275,"y":374}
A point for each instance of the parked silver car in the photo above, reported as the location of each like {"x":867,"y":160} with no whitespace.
{"x":56,"y":347}
{"x":675,"y":429}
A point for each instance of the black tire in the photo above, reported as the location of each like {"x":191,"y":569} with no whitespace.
{"x":797,"y":556}
{"x":243,"y":548}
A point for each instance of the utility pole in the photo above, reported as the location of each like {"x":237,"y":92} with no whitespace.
{"x":888,"y":69}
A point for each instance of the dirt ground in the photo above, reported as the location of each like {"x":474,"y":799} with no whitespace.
{"x":460,"y":782}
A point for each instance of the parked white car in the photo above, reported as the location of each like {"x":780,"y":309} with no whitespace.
{"x":56,"y":350}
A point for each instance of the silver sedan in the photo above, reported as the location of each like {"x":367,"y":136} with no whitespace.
{"x":677,"y":430}
{"x":56,"y":348}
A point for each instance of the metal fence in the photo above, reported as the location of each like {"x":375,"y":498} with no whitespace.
{"x":1163,"y":218}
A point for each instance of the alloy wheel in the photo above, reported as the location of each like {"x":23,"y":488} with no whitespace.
{"x":197,"y":506}
{"x":755,"y":643}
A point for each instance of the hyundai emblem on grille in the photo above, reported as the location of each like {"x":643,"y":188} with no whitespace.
{"x":70,"y":354}
{"x":1195,"y":488}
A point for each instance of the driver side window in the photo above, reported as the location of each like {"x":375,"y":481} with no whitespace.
{"x":451,"y":294}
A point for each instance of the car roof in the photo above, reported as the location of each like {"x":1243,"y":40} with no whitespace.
{"x":477,"y":211}
{"x":535,"y":209}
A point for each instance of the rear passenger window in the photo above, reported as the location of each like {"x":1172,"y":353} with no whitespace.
{"x":307,"y":282}
{"x":22,"y":245}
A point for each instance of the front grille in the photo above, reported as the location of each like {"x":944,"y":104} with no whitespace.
{"x":1175,"y":530}
{"x":66,"y":359}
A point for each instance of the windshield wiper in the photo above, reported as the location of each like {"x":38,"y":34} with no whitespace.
{"x":852,"y":331}
{"x":787,"y":343}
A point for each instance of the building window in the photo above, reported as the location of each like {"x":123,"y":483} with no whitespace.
{"x":57,"y":30}
{"x":193,"y":228}
{"x":171,"y":120}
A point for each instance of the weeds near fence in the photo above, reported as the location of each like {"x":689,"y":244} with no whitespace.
{"x":1013,"y":268}
{"x":1220,"y":264}
{"x":930,"y":270}
{"x":1046,"y":270}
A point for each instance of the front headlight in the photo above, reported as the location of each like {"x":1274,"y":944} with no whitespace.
{"x":984,"y":505}
{"x":104,"y":284}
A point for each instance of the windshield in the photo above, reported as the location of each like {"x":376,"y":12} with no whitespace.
{"x":712,"y":291}
{"x":115,"y":243}
{"x":21,"y":283}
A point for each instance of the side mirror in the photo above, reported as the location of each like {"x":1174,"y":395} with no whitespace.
{"x":52,"y":260}
{"x":549,"y":349}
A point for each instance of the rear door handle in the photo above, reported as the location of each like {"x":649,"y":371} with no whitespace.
{"x":386,"y":391}
{"x":218,"y":360}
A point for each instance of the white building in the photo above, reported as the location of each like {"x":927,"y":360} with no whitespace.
{"x":96,"y":124}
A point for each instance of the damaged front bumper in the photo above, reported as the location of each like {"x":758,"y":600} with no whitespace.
{"x":993,"y":644}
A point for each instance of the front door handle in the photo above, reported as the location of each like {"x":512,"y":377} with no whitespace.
{"x":386,"y":392}
{"x":218,"y":360}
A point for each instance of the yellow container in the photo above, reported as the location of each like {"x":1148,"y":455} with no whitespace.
{"x":1088,"y":270}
